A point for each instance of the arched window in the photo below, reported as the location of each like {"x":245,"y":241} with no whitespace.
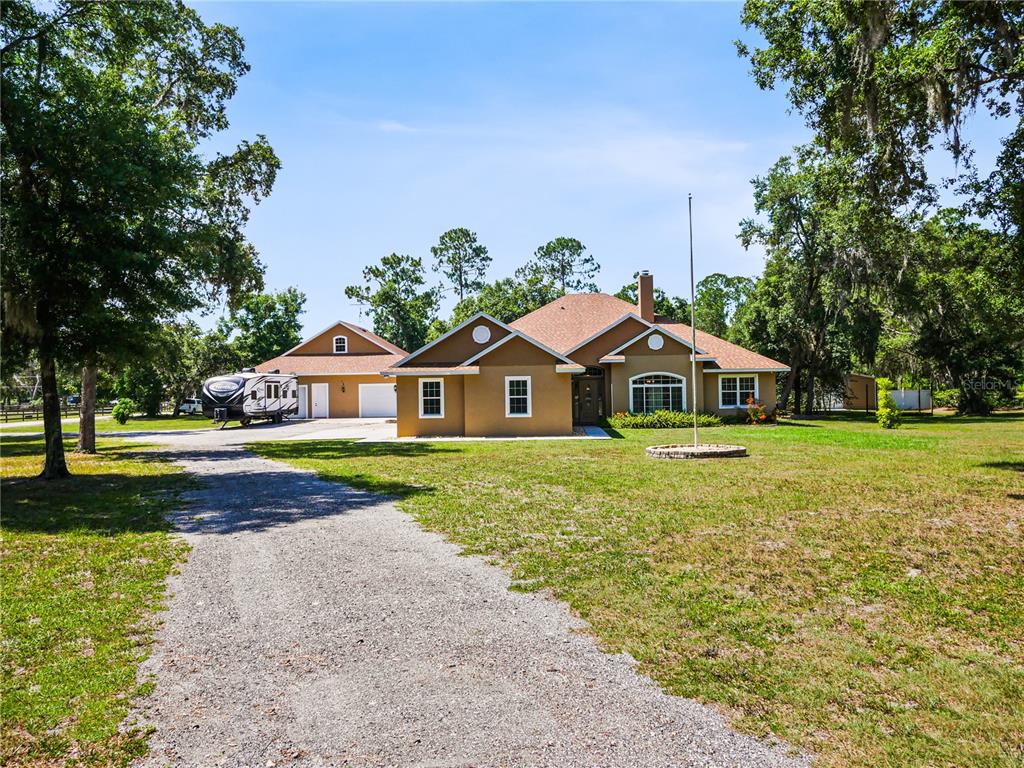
{"x":340,"y":345}
{"x":657,"y":391}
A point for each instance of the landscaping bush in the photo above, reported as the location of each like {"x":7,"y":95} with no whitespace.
{"x":888,"y":415}
{"x":123,"y":410}
{"x":662,"y":420}
{"x":946,"y":398}
{"x":758,"y":414}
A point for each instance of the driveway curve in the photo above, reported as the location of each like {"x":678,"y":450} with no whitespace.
{"x":317,"y":625}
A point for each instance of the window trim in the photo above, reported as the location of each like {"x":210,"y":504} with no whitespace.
{"x":682,"y":382}
{"x":529,"y":398}
{"x":419,"y":389}
{"x":334,"y":344}
{"x":737,"y":375}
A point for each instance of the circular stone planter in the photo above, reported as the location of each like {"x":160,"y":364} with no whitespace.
{"x":700,"y":452}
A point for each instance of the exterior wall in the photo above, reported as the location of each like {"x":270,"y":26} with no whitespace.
{"x":474,"y":405}
{"x":635,"y":365}
{"x":593,"y":351}
{"x":550,"y":401}
{"x":861,"y":393}
{"x":409,"y":422}
{"x":324,"y":343}
{"x":459,"y":347}
{"x":765,"y":391}
{"x":342,"y":392}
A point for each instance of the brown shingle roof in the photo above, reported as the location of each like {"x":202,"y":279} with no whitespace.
{"x":307,"y":365}
{"x":727,"y":355}
{"x":575,"y":317}
{"x":572,"y":318}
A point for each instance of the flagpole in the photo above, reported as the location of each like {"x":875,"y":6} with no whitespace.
{"x":693,"y":326}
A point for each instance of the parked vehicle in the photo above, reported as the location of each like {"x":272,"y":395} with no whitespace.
{"x":249,"y":395}
{"x":191,"y":405}
{"x":74,"y":400}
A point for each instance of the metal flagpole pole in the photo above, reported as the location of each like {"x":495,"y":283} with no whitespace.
{"x":693,"y":327}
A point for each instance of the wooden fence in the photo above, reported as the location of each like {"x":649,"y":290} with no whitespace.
{"x":10,"y":413}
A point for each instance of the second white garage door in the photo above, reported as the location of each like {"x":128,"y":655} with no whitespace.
{"x":377,"y":401}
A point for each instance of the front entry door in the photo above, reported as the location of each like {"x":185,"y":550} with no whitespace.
{"x":588,"y":399}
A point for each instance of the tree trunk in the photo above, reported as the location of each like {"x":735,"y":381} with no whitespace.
{"x":787,"y":389}
{"x":809,"y":409}
{"x":797,"y":389}
{"x":87,"y":412}
{"x":55,"y":466}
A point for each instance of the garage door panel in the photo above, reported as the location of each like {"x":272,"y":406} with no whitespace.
{"x":377,"y":401}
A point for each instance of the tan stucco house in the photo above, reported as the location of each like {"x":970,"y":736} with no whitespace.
{"x":339,"y":373}
{"x":571,"y":362}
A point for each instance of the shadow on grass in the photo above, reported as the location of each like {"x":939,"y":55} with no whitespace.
{"x":1013,"y":466}
{"x":249,"y":500}
{"x":100,"y":503}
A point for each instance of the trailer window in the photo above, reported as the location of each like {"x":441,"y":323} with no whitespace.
{"x":253,"y":395}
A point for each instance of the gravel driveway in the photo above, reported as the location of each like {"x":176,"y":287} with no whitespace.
{"x":317,"y":625}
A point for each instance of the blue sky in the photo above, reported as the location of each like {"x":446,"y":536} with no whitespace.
{"x":523,"y":122}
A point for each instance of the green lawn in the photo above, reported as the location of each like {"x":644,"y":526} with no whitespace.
{"x":83,"y":567}
{"x":858,"y":592}
{"x":107,"y":424}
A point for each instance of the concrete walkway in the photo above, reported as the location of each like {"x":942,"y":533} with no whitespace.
{"x":316,"y":625}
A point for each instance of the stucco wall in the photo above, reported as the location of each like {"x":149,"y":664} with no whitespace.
{"x":590,"y":353}
{"x":342,"y":392}
{"x":324,"y":343}
{"x":551,"y":401}
{"x":409,"y":421}
{"x":460,"y":346}
{"x":765,"y":391}
{"x":678,"y":364}
{"x":861,"y":393}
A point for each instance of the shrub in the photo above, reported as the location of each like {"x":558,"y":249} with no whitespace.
{"x":662,"y":420}
{"x":123,"y":410}
{"x":946,"y":398}
{"x":888,"y":415}
{"x":757,"y":413}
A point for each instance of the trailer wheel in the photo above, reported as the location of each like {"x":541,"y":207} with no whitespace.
{"x":278,"y":418}
{"x":245,"y":421}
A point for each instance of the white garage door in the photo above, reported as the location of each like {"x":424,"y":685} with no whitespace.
{"x":377,"y":401}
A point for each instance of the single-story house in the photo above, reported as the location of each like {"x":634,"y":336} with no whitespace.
{"x":339,"y":373}
{"x":572,"y":362}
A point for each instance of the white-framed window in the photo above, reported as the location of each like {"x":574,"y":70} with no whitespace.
{"x":431,"y":398}
{"x":657,"y":391}
{"x":518,"y":397}
{"x":340,"y":345}
{"x":735,"y":390}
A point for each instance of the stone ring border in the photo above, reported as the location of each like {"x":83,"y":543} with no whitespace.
{"x":711,"y":451}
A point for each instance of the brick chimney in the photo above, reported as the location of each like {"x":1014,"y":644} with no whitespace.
{"x":645,"y":296}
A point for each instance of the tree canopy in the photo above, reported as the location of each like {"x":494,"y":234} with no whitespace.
{"x":267,"y":325}
{"x":393,"y":293}
{"x":113,"y":219}
{"x":718,"y":298}
{"x":564,"y":262}
{"x":462,"y":260}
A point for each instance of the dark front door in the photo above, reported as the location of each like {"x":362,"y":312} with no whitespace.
{"x":588,"y":399}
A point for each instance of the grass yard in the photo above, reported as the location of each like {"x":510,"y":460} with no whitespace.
{"x":107,"y":424}
{"x":855,"y":591}
{"x":83,"y":568}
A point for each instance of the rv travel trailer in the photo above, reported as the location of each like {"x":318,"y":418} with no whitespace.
{"x":249,"y":395}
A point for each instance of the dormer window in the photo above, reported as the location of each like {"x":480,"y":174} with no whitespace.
{"x":340,"y":345}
